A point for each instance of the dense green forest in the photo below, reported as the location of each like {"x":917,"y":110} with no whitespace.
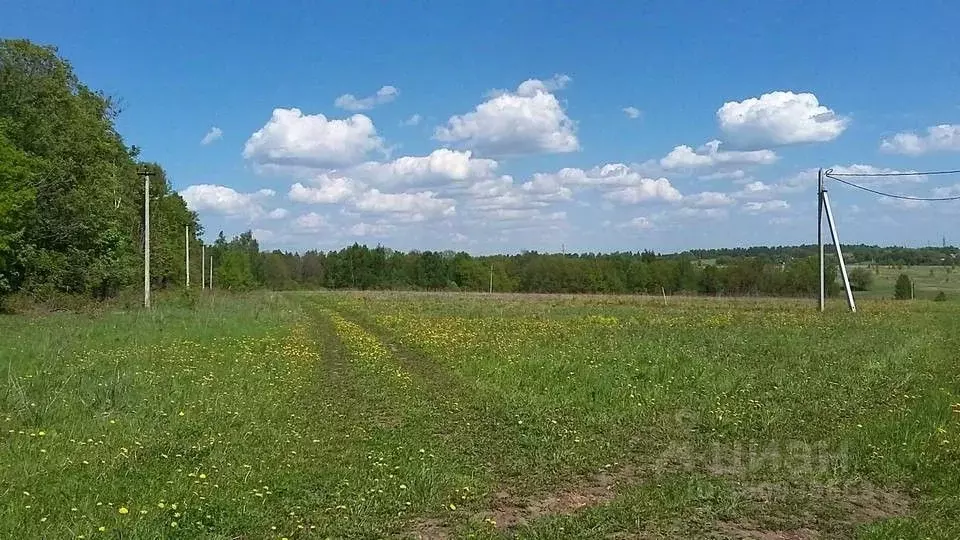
{"x":71,"y":199}
{"x":71,"y":207}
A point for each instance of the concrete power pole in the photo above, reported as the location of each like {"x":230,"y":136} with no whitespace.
{"x":186,"y":237}
{"x":210,"y":281}
{"x":203,"y":265}
{"x":146,"y":237}
{"x":820,"y":236}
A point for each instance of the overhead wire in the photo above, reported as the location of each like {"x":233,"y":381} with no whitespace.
{"x":835,"y":176}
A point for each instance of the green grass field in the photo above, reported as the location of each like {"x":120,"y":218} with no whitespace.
{"x":339,"y":415}
{"x":928,"y":281}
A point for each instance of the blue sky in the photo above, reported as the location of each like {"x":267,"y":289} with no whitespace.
{"x":501,"y":126}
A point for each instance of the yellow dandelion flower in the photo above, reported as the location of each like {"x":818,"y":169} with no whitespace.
{"x":123,"y":510}
{"x":101,"y":528}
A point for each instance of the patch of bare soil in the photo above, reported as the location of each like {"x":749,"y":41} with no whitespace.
{"x":430,"y":529}
{"x":747,"y":530}
{"x":509,"y":510}
{"x":853,"y":505}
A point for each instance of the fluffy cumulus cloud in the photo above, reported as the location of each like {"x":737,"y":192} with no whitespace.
{"x":947,"y":191}
{"x":227,"y":201}
{"x":213,"y":135}
{"x":639,"y":223}
{"x":755,"y":190}
{"x":530,"y":120}
{"x":647,"y":189}
{"x":325,"y":190}
{"x":941,"y":138}
{"x":311,"y":140}
{"x":780,"y":118}
{"x":419,"y":206}
{"x":873,"y":174}
{"x":708,"y":199}
{"x":311,"y":222}
{"x":349,"y":102}
{"x":439,"y":166}
{"x":371,"y":229}
{"x":632,"y":112}
{"x":711,"y":156}
{"x":764,"y":207}
{"x":904,"y":204}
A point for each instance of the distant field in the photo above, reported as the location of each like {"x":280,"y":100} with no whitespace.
{"x":349,"y":415}
{"x":929,"y":280}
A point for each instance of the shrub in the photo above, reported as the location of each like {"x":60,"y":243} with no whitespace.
{"x":904,"y":288}
{"x":861,"y":279}
{"x":941,"y":297}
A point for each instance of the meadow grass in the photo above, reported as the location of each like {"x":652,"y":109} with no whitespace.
{"x":370,"y":415}
{"x":928,"y":281}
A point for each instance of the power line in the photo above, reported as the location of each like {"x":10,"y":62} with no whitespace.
{"x":831,"y":174}
{"x":893,"y":195}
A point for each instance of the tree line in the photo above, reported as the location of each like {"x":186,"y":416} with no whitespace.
{"x":852,"y":253}
{"x":243,"y":266}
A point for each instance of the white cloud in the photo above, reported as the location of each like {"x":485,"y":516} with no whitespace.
{"x":213,"y":135}
{"x":327,"y":191}
{"x":413,"y":120}
{"x":947,"y":191}
{"x":225,"y":200}
{"x":766,"y":206}
{"x":371,"y":229}
{"x":546,"y":188}
{"x":780,"y":118}
{"x":859,"y":168}
{"x":278,"y":213}
{"x":439,"y":165}
{"x":311,"y":222}
{"x":408,"y":206}
{"x":941,"y":138}
{"x":754,"y":190}
{"x":494,"y":194}
{"x":905,"y":204}
{"x":699,"y":213}
{"x":709,"y":155}
{"x":708,"y":199}
{"x":349,"y":102}
{"x":611,"y":174}
{"x":647,"y":189}
{"x":638,"y":223}
{"x":632,"y":112}
{"x":622,"y":184}
{"x":525,"y":214}
{"x":736,"y":174}
{"x":528,"y":121}
{"x":292,"y":138}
